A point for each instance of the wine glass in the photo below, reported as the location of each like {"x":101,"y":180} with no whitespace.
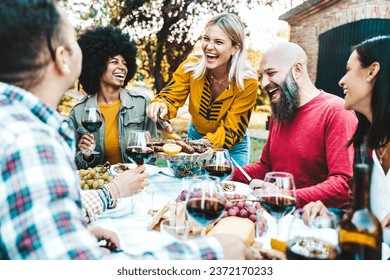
{"x":137,"y":148}
{"x":316,"y":241}
{"x":278,"y":197}
{"x":220,"y":164}
{"x":91,"y":121}
{"x":205,"y":200}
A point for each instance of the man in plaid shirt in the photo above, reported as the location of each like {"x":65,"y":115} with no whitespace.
{"x":40,"y":206}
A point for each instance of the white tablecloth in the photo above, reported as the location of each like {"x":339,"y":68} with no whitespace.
{"x":135,"y":238}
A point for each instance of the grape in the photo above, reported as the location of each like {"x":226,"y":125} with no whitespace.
{"x":240,"y":204}
{"x":252,"y":217}
{"x":232,"y":212}
{"x":228,"y":205}
{"x":243,"y":213}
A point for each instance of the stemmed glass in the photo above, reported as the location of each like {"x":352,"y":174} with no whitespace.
{"x":137,"y":149}
{"x":91,"y":121}
{"x":205,"y":201}
{"x":278,"y":197}
{"x":220,"y":164}
{"x":316,"y":241}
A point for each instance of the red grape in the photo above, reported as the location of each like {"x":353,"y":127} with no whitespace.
{"x":252,"y":217}
{"x":243,"y":213}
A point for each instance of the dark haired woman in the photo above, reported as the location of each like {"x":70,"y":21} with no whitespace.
{"x":109,"y":63}
{"x":366,"y":87}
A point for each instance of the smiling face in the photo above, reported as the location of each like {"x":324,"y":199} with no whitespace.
{"x":116,"y":71}
{"x":357,"y":90}
{"x":217,"y":48}
{"x":278,"y":81}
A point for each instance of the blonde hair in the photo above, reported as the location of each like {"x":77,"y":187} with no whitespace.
{"x":240,"y":69}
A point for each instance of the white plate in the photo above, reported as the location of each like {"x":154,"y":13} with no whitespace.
{"x":151,"y":169}
{"x":241,"y":188}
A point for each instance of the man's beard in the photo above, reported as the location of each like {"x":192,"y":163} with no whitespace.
{"x":287,"y":106}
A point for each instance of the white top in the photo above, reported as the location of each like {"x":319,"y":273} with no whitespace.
{"x":379,"y":190}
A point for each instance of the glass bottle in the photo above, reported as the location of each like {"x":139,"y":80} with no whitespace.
{"x":360,"y":235}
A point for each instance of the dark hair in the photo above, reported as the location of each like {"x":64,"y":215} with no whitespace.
{"x":29,"y":32}
{"x":376,"y":49}
{"x":98,"y":46}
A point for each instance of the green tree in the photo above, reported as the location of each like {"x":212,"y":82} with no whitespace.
{"x":165,"y":29}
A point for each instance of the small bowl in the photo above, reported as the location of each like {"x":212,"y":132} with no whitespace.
{"x":183,"y":169}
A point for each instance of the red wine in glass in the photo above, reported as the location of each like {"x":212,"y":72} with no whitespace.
{"x":220,"y":164}
{"x":205,"y":211}
{"x":91,"y":121}
{"x":139,"y":155}
{"x":91,"y":126}
{"x":138,"y":148}
{"x":278,"y":206}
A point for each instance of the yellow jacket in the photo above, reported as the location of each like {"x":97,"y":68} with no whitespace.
{"x":223,"y":121}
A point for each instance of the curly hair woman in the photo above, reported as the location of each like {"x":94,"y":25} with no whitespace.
{"x":109,"y":63}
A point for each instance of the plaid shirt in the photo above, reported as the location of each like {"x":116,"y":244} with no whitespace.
{"x":40,"y":206}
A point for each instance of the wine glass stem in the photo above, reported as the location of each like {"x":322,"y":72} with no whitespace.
{"x":277,"y":229}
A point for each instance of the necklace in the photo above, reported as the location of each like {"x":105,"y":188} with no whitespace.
{"x":219,"y":82}
{"x":381,"y":153}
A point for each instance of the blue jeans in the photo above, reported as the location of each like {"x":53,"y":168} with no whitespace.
{"x":240,"y":152}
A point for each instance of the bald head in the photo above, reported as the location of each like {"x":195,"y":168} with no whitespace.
{"x":284,"y":55}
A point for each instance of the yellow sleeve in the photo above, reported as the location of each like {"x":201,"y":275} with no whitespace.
{"x":175,"y":93}
{"x":232,"y":128}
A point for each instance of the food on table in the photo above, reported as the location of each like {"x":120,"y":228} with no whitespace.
{"x":257,"y":252}
{"x":227,"y":186}
{"x":240,"y":206}
{"x":173,"y":136}
{"x":172,"y":149}
{"x":120,"y":167}
{"x":187,"y":148}
{"x":242,"y":227}
{"x":94,"y":178}
{"x":158,"y":216}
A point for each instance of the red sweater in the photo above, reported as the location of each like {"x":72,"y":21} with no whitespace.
{"x":313,"y":148}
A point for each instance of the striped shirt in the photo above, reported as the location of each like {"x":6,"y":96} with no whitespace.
{"x":41,"y":213}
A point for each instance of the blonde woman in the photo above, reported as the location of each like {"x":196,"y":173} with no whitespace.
{"x":221,"y":86}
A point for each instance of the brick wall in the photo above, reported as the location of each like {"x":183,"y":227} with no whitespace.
{"x":306,"y":29}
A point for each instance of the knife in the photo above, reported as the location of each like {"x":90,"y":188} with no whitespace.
{"x":242,"y":170}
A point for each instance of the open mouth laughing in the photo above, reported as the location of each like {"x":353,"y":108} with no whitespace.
{"x":211,"y":57}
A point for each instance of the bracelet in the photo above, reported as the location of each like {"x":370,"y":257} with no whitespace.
{"x":111,"y":201}
{"x":119,"y":191}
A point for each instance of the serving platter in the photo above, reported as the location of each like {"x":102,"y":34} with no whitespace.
{"x":116,"y":169}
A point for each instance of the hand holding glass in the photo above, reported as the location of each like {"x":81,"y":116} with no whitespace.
{"x":91,"y":121}
{"x":318,"y":241}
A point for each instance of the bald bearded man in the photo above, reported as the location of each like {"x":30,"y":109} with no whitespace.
{"x":309,"y":130}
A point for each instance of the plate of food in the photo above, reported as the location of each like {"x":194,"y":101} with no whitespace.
{"x":232,"y":187}
{"x":117,"y":169}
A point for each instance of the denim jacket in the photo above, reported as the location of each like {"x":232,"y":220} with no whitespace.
{"x":131,"y":116}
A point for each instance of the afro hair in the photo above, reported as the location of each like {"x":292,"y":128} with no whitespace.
{"x":100,"y":44}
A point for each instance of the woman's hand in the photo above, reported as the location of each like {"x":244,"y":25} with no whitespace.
{"x":313,"y":209}
{"x":87,"y":143}
{"x":130,"y":181}
{"x":156,"y":109}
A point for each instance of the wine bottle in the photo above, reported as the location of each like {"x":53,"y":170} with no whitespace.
{"x":360,"y":234}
